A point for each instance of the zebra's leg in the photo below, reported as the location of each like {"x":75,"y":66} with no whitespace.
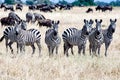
{"x":33,"y":48}
{"x":39,"y":47}
{"x":66,"y":48}
{"x":72,"y":50}
{"x":79,"y":49}
{"x":6,"y":43}
{"x":90,"y":48}
{"x":18,"y":47}
{"x":57,"y":49}
{"x":99,"y":50}
{"x":9,"y":44}
{"x":83,"y":49}
{"x":106,"y":48}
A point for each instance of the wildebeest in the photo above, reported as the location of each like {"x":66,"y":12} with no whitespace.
{"x":2,"y":5}
{"x":38,"y":17}
{"x":14,"y":16}
{"x":89,"y":10}
{"x":9,"y":7}
{"x":30,"y":17}
{"x":46,"y":22}
{"x":7,"y":21}
{"x":104,"y":8}
{"x":46,"y":9}
{"x":19,"y":6}
{"x":32,"y":7}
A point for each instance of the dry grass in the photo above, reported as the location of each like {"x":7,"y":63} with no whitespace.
{"x":59,"y":67}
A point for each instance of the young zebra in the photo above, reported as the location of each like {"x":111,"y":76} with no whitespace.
{"x":96,"y":38}
{"x":9,"y":34}
{"x":73,"y":36}
{"x":108,"y":34}
{"x":52,"y":38}
{"x":28,"y":38}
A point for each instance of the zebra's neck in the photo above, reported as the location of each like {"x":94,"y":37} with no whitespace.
{"x":83,"y":36}
{"x":109,"y":34}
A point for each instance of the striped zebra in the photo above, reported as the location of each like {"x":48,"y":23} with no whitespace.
{"x":28,"y":38}
{"x":96,"y":38}
{"x":74,"y":37}
{"x":52,"y":38}
{"x":108,"y":34}
{"x":9,"y":34}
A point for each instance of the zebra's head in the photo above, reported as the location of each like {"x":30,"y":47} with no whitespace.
{"x":23,"y":25}
{"x":55,"y":27}
{"x":87,"y":27}
{"x":98,"y":26}
{"x":112,"y":26}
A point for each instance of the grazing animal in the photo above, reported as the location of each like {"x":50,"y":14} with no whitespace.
{"x":32,"y":7}
{"x":9,"y":7}
{"x":15,"y":17}
{"x":96,"y":38}
{"x":28,"y":38}
{"x":6,"y":21}
{"x":30,"y":17}
{"x":103,"y":8}
{"x":38,"y":17}
{"x":108,"y":34}
{"x":46,"y":9}
{"x":74,"y":37}
{"x":9,"y":34}
{"x":19,"y":7}
{"x":45,"y":22}
{"x":52,"y":38}
{"x":89,"y":10}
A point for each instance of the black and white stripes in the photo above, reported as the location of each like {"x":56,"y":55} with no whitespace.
{"x":52,"y":38}
{"x":73,"y":36}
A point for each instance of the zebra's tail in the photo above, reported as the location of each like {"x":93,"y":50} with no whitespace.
{"x":1,"y":39}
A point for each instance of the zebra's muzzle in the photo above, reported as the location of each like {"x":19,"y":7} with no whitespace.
{"x":113,"y":30}
{"x":87,"y":33}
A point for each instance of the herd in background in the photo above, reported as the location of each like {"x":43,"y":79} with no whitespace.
{"x":18,"y":32}
{"x":41,"y":7}
{"x":53,"y":7}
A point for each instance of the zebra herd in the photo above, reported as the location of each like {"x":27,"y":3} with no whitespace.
{"x":71,"y":37}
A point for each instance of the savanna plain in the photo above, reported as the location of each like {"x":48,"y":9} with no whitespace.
{"x":59,"y":67}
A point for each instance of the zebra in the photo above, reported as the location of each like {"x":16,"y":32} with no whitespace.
{"x":74,"y":37}
{"x":108,"y":34}
{"x":96,"y":38}
{"x":52,"y":38}
{"x":9,"y":34}
{"x":27,"y":38}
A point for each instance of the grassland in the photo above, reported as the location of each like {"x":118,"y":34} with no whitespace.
{"x":60,"y":67}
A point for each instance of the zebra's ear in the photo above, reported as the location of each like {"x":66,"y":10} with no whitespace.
{"x":115,"y":20}
{"x":110,"y":20}
{"x":96,"y":20}
{"x":58,"y":22}
{"x":100,"y":20}
{"x":52,"y":22}
{"x":85,"y":21}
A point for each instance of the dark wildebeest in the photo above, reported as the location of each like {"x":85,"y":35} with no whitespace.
{"x":103,"y":8}
{"x":2,"y":5}
{"x":46,"y":9}
{"x":39,"y":6}
{"x":19,"y":6}
{"x":46,"y":22}
{"x":89,"y":10}
{"x":14,"y":16}
{"x":107,"y":8}
{"x":9,"y":7}
{"x":30,"y":17}
{"x":6,"y":21}
{"x":38,"y":17}
{"x":32,"y":7}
